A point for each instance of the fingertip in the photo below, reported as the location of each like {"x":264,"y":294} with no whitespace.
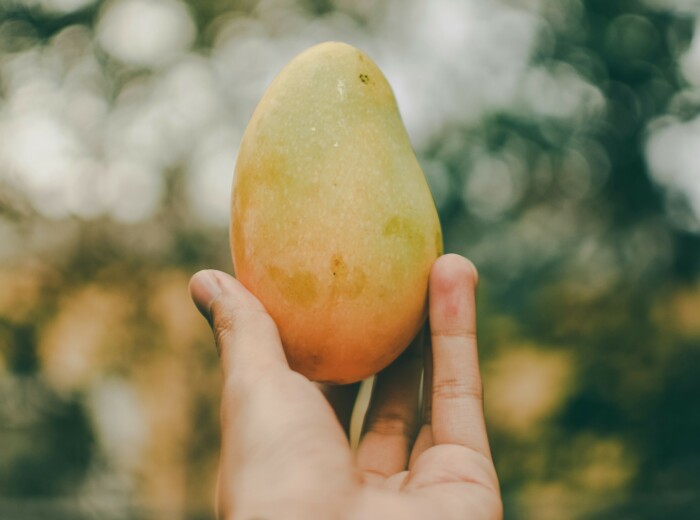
{"x":209,"y":285}
{"x":451,"y":294}
{"x":225,"y":280}
{"x":451,"y":270}
{"x":204,"y":288}
{"x":233,"y":287}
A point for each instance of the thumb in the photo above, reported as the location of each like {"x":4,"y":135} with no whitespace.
{"x":246,"y":336}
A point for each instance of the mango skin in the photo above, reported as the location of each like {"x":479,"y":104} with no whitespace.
{"x":333,"y":226}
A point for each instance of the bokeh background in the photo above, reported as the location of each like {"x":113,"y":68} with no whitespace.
{"x":561,"y":140}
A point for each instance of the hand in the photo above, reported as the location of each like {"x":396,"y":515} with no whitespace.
{"x":285,"y":454}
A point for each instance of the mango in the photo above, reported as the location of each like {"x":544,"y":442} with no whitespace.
{"x":333,"y":226}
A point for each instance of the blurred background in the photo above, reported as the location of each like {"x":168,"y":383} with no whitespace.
{"x":561,"y":140}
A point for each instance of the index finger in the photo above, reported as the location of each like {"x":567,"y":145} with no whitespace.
{"x":457,"y":398}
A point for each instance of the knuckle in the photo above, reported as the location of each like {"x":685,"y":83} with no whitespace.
{"x":230,"y":316}
{"x":373,"y":476}
{"x":222,"y":310}
{"x":393,"y":424}
{"x":224,"y":325}
{"x":454,"y":388}
{"x":461,"y":334}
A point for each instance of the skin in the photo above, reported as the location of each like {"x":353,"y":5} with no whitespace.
{"x":285,"y":452}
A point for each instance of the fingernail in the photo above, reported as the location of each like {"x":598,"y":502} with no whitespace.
{"x":204,"y":289}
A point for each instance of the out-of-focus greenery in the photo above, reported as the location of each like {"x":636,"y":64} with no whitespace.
{"x":561,"y":139}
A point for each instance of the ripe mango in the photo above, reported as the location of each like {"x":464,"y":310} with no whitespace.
{"x":333,"y":226}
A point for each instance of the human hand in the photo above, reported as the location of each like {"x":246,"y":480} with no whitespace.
{"x":284,"y":452}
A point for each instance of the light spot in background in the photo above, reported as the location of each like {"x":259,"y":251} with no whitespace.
{"x":474,"y":69}
{"x":39,"y":155}
{"x":560,"y":92}
{"x":538,"y":237}
{"x":82,"y":197}
{"x":574,"y":176}
{"x":83,"y":338}
{"x":681,"y":6}
{"x":118,"y":419}
{"x":673,"y":154}
{"x":492,"y":187}
{"x":44,"y":157}
{"x":136,"y":129}
{"x":690,"y":61}
{"x":38,"y":149}
{"x":680,"y":314}
{"x":594,"y":267}
{"x":20,"y":292}
{"x":132,"y":191}
{"x":145,"y":32}
{"x":603,"y":465}
{"x":541,"y":232}
{"x":557,"y":500}
{"x":648,"y":247}
{"x":87,"y":111}
{"x":526,"y":385}
{"x":171,"y":305}
{"x":631,"y":36}
{"x":210,"y":175}
{"x":190,"y":96}
{"x":160,"y":120}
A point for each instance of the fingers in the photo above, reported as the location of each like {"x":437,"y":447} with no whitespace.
{"x":392,"y":417}
{"x":342,"y":400}
{"x":424,"y":440}
{"x":457,"y":403}
{"x":246,"y":336}
{"x":427,"y":398}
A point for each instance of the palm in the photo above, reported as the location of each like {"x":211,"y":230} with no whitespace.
{"x":462,"y":474}
{"x":404,"y":471}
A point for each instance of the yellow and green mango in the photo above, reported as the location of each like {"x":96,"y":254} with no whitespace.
{"x":333,"y":226}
